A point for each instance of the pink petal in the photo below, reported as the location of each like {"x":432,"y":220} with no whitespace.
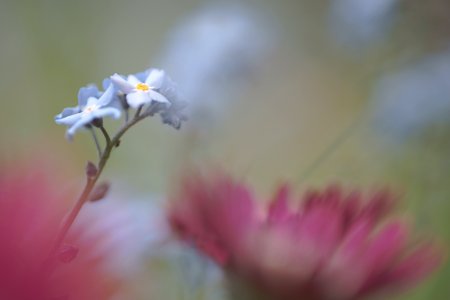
{"x":416,"y":266}
{"x":322,"y":227}
{"x":383,"y":250}
{"x":343,"y":274}
{"x":279,"y":209}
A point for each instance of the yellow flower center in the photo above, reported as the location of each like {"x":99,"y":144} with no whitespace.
{"x":142,"y":87}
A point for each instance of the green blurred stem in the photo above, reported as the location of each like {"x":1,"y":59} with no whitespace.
{"x":90,"y":183}
{"x":326,"y":153}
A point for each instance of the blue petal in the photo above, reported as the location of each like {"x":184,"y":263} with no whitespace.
{"x":142,"y":75}
{"x":155,"y":78}
{"x":85,"y":92}
{"x":106,"y":82}
{"x":138,"y":98}
{"x":107,"y":96}
{"x":107,"y":112}
{"x":68,"y":111}
{"x":122,"y":84}
{"x":69,"y":120}
{"x":84,"y":120}
{"x":133,"y":80}
{"x":158,"y":97}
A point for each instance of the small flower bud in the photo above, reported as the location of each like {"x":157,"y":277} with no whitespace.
{"x":99,"y":192}
{"x":91,"y":170}
{"x":67,"y":253}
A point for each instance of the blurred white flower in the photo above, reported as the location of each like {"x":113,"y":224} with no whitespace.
{"x":359,"y":23}
{"x":212,"y":54}
{"x":132,"y":230}
{"x":407,"y":101}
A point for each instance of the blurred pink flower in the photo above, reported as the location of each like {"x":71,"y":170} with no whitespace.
{"x":336,"y":245}
{"x":31,"y":210}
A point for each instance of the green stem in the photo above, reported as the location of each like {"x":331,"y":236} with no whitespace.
{"x":338,"y":141}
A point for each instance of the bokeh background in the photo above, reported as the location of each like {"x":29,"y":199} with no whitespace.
{"x":348,"y":91}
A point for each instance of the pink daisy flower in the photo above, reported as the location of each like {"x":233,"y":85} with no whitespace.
{"x":335,"y":245}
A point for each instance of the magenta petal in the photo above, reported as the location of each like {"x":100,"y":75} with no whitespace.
{"x":279,"y":209}
{"x":348,"y":261}
{"x":415,"y":267}
{"x":231,"y":212}
{"x":322,"y":227}
{"x":384,"y":248}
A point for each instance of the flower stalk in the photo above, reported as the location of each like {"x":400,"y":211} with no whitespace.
{"x":92,"y":180}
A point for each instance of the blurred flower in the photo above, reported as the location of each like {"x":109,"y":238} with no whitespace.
{"x":335,"y":246}
{"x":175,"y":114}
{"x":30,"y":214}
{"x":359,"y":23}
{"x":131,"y":231}
{"x":141,"y":91}
{"x":407,"y":101}
{"x":91,"y":106}
{"x":224,"y":45}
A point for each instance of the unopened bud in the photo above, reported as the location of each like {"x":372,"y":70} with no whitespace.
{"x":91,"y":170}
{"x":67,"y":253}
{"x":100,"y":191}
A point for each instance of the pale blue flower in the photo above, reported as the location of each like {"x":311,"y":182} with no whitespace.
{"x":358,"y":24}
{"x":226,"y":45}
{"x":408,"y":101}
{"x":92,"y":104}
{"x":174,"y":114}
{"x":142,"y":88}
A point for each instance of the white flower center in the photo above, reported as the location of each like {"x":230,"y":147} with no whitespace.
{"x":90,"y":108}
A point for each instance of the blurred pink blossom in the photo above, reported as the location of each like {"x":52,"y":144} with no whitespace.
{"x":31,"y":210}
{"x":335,"y":245}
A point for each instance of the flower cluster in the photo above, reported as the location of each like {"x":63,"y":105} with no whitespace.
{"x":336,"y":245}
{"x":151,"y":92}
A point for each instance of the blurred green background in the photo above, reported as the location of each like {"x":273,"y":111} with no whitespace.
{"x":304,"y":116}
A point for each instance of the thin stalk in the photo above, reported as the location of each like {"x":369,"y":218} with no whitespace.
{"x":106,"y":135}
{"x":325,"y":154}
{"x":127,"y":116}
{"x":97,"y":144}
{"x":90,"y":184}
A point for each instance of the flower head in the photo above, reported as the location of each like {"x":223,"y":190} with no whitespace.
{"x":155,"y":88}
{"x":335,"y":246}
{"x":142,"y":88}
{"x":359,"y":24}
{"x":91,"y":105}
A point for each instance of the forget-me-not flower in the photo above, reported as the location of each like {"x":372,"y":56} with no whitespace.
{"x":91,"y":105}
{"x":142,"y":88}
